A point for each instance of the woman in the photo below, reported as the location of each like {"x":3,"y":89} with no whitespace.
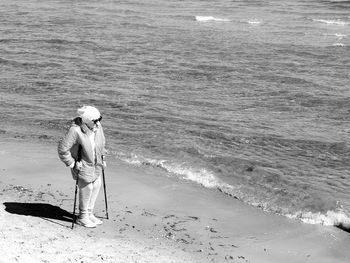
{"x":82,"y":149}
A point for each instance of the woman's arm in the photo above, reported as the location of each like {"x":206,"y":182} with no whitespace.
{"x":65,"y":146}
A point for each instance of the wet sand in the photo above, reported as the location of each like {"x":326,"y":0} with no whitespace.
{"x":152,"y":218}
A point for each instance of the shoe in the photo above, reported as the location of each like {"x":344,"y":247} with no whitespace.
{"x":95,"y":220}
{"x":86,"y":222}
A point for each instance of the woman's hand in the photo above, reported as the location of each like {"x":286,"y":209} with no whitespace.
{"x":104,"y":164}
{"x":76,"y":165}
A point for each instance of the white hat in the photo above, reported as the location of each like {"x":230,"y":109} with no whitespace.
{"x":88,"y":113}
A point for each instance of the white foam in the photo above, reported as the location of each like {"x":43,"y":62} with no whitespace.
{"x":332,"y":22}
{"x":211,"y":19}
{"x":138,"y":161}
{"x":338,"y":45}
{"x":254,"y":22}
{"x":340,"y":36}
{"x":201,"y":176}
{"x":330,"y":218}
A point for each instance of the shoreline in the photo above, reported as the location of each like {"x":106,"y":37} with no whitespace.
{"x":152,"y":218}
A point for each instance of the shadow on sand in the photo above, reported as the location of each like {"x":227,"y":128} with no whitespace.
{"x":343,"y":227}
{"x":45,"y":211}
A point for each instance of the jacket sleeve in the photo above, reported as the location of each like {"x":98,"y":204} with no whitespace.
{"x":65,"y":146}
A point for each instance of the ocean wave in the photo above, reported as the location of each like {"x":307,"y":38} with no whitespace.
{"x":332,"y":22}
{"x":254,"y":22}
{"x":330,"y":218}
{"x":340,"y":36}
{"x":200,"y":176}
{"x":340,"y":3}
{"x":211,"y":19}
{"x":29,"y":64}
{"x":338,"y":44}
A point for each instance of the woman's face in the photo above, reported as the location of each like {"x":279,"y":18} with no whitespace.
{"x":93,"y":124}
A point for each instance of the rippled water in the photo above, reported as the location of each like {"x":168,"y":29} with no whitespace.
{"x":250,"y":97}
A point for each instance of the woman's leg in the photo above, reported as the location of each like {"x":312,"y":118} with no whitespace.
{"x":96,"y":185}
{"x":85,"y":193}
{"x":95,"y":190}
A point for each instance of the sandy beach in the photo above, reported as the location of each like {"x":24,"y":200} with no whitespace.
{"x":152,"y":218}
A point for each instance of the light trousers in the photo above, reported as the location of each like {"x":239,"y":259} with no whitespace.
{"x":88,"y":193}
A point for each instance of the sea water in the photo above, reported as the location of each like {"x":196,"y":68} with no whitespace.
{"x":250,"y":98}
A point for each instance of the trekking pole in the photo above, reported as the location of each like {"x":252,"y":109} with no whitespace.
{"x":75,"y":200}
{"x":104,"y":185}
